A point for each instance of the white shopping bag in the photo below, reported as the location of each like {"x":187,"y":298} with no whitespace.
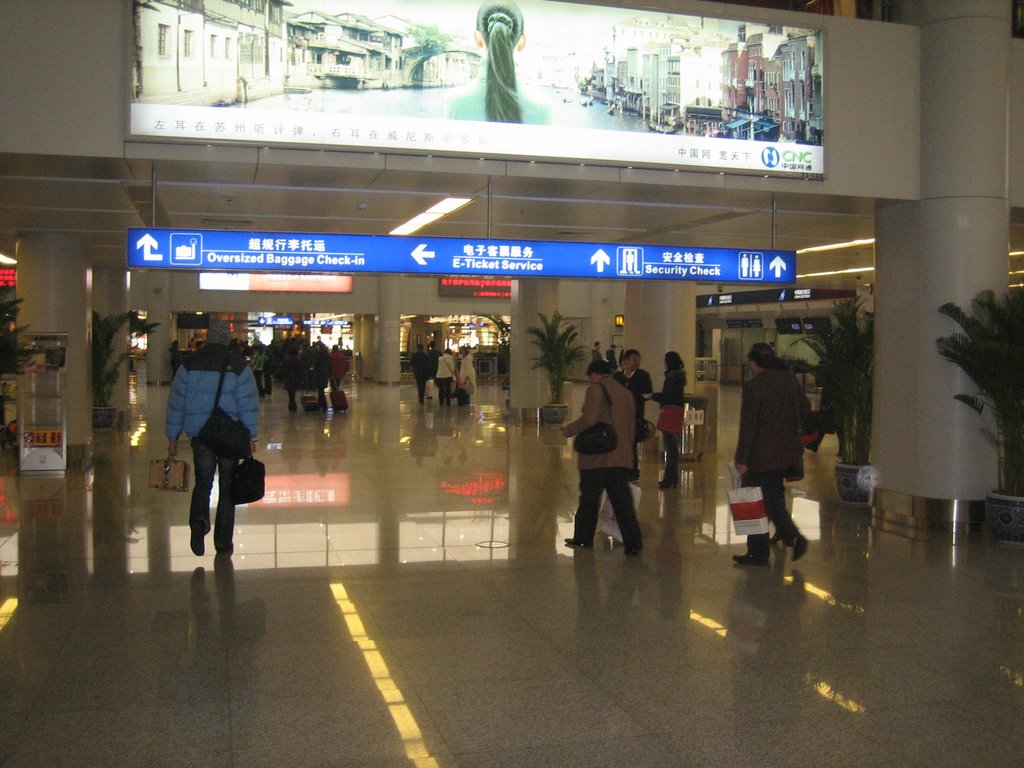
{"x":749,"y":516}
{"x":606,"y":522}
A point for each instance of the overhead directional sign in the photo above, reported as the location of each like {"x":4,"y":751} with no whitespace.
{"x":298,"y":253}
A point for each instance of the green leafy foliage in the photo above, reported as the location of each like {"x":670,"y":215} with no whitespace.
{"x":137,"y":326}
{"x":431,"y":40}
{"x":989,"y":348}
{"x":106,"y":360}
{"x":13,"y":351}
{"x":845,"y":371}
{"x":558,"y":349}
{"x":504,"y":339}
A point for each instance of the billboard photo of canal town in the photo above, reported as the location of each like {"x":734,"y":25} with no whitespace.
{"x":410,"y":75}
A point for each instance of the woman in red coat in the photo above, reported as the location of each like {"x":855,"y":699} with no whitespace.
{"x":339,"y":367}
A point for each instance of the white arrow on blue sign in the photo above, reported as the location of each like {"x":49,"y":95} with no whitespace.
{"x":373,"y":254}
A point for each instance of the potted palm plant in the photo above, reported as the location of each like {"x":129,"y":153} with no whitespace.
{"x":844,"y":371}
{"x":106,"y":365}
{"x":989,"y":348}
{"x":558,"y":349}
{"x":13,"y":355}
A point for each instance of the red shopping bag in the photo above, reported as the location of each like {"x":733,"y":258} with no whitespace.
{"x":670,"y":419}
{"x":749,"y":516}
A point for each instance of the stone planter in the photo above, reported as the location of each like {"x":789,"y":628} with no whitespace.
{"x":554,"y":413}
{"x":855,"y":483}
{"x":1005,"y":517}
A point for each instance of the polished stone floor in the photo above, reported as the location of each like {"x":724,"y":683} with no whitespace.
{"x":401,"y":598}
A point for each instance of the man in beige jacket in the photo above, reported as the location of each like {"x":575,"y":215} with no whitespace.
{"x":608,"y":401}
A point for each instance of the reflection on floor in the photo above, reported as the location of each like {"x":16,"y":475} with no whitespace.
{"x":401,"y":598}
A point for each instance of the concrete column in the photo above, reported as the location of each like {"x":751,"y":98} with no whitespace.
{"x":367,"y":335}
{"x":602,"y":319}
{"x":528,"y":387}
{"x":633,"y":309}
{"x":661,"y":315}
{"x":55,"y":282}
{"x":110,"y":297}
{"x":389,"y":302}
{"x":947,"y":247}
{"x":156,"y":301}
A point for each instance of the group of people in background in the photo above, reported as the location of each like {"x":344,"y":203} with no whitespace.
{"x":455,"y":379}
{"x":773,"y":412}
{"x":774,"y":409}
{"x":297,"y":364}
{"x":626,"y":370}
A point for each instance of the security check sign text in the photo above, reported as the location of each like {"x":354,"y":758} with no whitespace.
{"x":298,"y":253}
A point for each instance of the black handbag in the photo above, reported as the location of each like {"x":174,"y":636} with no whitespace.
{"x":228,"y":438}
{"x":644,"y":430}
{"x":249,"y":481}
{"x":600,"y":438}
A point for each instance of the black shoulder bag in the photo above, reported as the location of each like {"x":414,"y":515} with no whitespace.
{"x":599,"y":438}
{"x":249,"y":481}
{"x":228,"y":438}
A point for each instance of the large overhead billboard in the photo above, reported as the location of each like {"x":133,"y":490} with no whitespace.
{"x":538,"y":80}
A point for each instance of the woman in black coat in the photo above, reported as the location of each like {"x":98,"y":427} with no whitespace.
{"x":292,"y":375}
{"x":671,"y":394}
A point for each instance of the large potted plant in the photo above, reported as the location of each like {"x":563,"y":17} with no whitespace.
{"x":558,"y":349}
{"x":989,"y":348}
{"x":106,"y":365}
{"x":844,"y":371}
{"x":14,"y":354}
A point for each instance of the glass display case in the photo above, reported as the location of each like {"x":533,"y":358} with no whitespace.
{"x":42,"y":410}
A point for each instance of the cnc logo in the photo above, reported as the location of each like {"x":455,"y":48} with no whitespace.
{"x":770,"y":157}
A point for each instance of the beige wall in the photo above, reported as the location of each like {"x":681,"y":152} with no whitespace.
{"x":64,"y":76}
{"x":65,"y":88}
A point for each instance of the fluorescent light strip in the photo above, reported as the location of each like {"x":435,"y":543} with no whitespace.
{"x":854,"y":271}
{"x":826,"y":597}
{"x":855,"y":243}
{"x":1015,"y":678}
{"x":7,"y":610}
{"x":5,"y":259}
{"x":829,"y":693}
{"x":409,"y":730}
{"x":711,"y":624}
{"x":837,"y":246}
{"x":445,"y":207}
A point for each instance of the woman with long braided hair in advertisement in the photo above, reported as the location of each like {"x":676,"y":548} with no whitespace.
{"x":496,"y":95}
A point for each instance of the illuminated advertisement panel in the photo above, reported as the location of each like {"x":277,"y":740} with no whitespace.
{"x":272,"y":282}
{"x":537,"y":80}
{"x":475,"y":287}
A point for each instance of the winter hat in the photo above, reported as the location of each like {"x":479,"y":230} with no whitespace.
{"x":219,"y":332}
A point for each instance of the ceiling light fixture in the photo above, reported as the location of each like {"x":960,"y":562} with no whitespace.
{"x":1017,"y":253}
{"x":5,"y":259}
{"x":837,"y":246}
{"x":447,"y":206}
{"x":854,"y":271}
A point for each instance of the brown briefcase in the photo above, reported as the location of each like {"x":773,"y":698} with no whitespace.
{"x":169,"y":474}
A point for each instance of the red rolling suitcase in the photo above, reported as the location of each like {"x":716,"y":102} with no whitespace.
{"x":339,"y":400}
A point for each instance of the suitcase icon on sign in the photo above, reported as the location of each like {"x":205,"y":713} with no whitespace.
{"x":186,"y":248}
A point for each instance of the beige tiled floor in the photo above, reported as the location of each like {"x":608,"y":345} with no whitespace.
{"x":401,"y":598}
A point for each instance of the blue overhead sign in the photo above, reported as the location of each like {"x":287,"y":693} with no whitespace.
{"x":369,"y":254}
